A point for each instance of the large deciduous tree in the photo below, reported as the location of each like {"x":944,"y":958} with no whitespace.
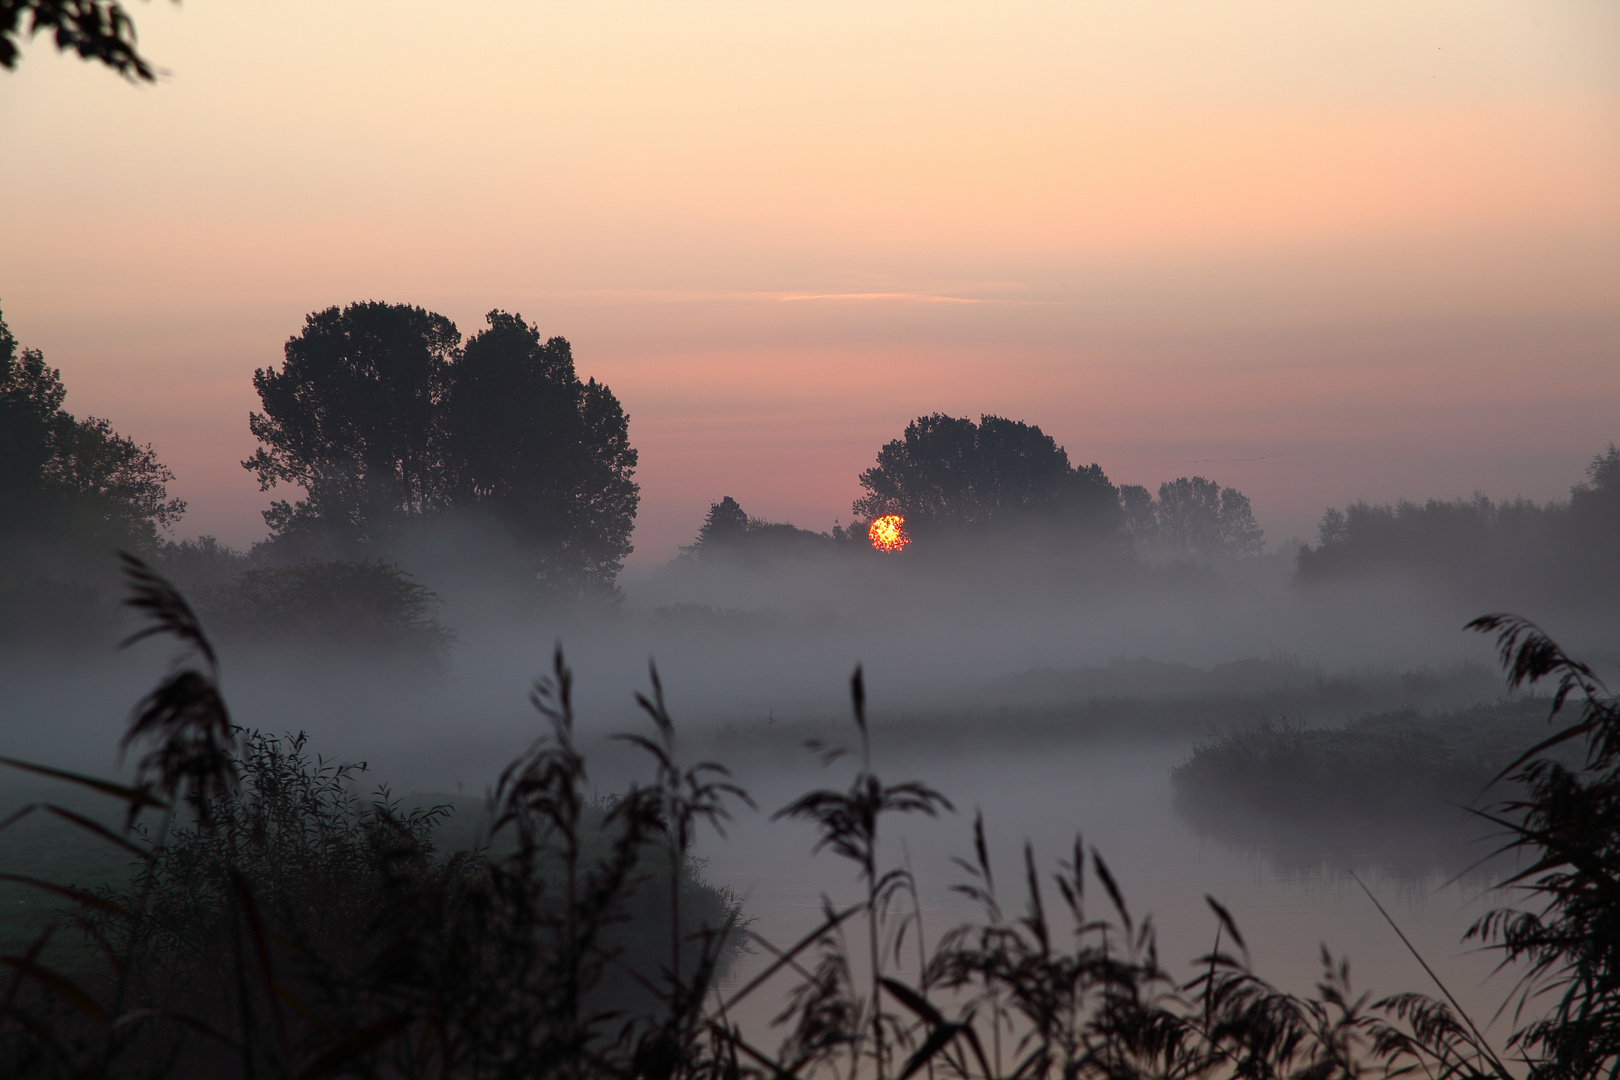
{"x":544,"y":454}
{"x":352,"y":417}
{"x":950,"y":475}
{"x":390,"y":424}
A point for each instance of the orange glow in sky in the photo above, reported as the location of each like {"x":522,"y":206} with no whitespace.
{"x":1317,"y":252}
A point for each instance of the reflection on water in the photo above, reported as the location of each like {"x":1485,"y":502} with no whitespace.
{"x":1118,"y":795}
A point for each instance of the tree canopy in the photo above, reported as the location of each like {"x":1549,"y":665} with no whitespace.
{"x":949,"y":475}
{"x":352,"y":418}
{"x":389,"y":423}
{"x":67,"y":484}
{"x":544,"y":454}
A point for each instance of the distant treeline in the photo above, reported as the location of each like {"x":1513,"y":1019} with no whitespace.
{"x":413,"y":446}
{"x":1551,"y":548}
{"x":488,"y":459}
{"x":960,"y":484}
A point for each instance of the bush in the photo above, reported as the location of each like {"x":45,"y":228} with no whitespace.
{"x":45,"y":614}
{"x":1387,"y":767}
{"x":369,"y":605}
{"x":333,"y":878}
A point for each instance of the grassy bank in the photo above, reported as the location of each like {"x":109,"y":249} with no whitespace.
{"x":305,"y":829}
{"x":1393,"y":787}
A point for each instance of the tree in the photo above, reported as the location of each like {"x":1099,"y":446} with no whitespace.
{"x":99,"y":30}
{"x":31,"y":425}
{"x":1140,"y":519}
{"x":115,"y":488}
{"x":725,"y":526}
{"x":390,"y":425}
{"x":66,"y":483}
{"x":950,"y":475}
{"x":544,"y":454}
{"x":351,"y":418}
{"x":1595,"y":505}
{"x":1200,"y":518}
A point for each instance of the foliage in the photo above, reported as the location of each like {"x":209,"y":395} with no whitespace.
{"x":99,"y":30}
{"x":1192,"y":518}
{"x":1431,"y":536}
{"x":391,"y":426}
{"x":115,"y":487}
{"x":1567,"y":823}
{"x":949,"y":475}
{"x":848,"y":823}
{"x":1139,"y":518}
{"x":199,"y":563}
{"x":69,"y":487}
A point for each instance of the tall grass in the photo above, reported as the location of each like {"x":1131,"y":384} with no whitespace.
{"x":377,"y":957}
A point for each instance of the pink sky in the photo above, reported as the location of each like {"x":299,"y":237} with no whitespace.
{"x":1319,"y":252}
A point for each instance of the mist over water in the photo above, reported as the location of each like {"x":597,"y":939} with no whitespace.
{"x":1053,"y":695}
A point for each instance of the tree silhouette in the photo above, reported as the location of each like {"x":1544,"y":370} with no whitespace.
{"x":389,"y":425}
{"x":729,"y":531}
{"x":99,"y":30}
{"x":31,"y":423}
{"x":725,"y":526}
{"x":69,"y":484}
{"x":1594,"y":506}
{"x":351,"y":418}
{"x":1534,"y":551}
{"x":547,"y":456}
{"x":1140,"y":517}
{"x":950,"y":475}
{"x":1200,"y":518}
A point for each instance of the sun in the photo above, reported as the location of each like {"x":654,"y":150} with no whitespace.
{"x":888,"y":533}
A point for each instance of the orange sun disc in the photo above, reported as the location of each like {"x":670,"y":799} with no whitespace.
{"x":888,"y":533}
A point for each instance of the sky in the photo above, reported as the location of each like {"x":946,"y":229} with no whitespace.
{"x":1319,"y":252}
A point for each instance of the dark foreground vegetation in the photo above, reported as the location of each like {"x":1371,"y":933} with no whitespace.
{"x":276,"y":926}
